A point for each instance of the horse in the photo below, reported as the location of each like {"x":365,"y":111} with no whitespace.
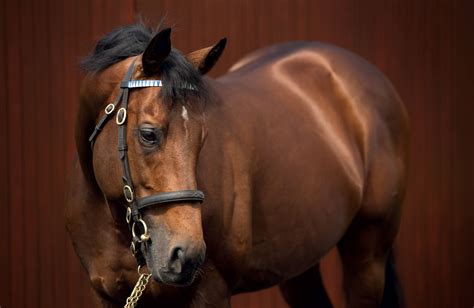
{"x":299,"y":148}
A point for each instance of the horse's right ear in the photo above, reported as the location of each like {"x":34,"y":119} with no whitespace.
{"x":205,"y":59}
{"x":156,"y":52}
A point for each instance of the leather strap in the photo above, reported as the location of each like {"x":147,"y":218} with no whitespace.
{"x":174,"y":196}
{"x":122,"y":144}
{"x":100,"y":125}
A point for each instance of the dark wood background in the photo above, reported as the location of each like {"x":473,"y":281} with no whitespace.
{"x":425,"y":47}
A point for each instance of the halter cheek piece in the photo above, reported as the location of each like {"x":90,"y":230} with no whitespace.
{"x":136,"y":224}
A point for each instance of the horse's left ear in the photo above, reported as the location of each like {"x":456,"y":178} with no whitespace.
{"x":157,"y":50}
{"x":204,"y":59}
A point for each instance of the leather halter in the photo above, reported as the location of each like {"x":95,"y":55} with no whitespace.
{"x":135,"y":205}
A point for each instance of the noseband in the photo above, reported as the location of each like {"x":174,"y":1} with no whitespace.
{"x":136,"y":224}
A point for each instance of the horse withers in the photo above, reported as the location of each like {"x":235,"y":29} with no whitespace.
{"x":239,"y":183}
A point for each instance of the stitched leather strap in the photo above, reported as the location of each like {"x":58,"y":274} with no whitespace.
{"x":168,"y":197}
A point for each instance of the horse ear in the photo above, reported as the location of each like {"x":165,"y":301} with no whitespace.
{"x":204,"y":59}
{"x":157,"y":50}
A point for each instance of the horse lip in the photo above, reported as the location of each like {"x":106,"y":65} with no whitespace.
{"x":175,"y":284}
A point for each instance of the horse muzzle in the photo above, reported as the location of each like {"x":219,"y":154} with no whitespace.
{"x":179,"y":267}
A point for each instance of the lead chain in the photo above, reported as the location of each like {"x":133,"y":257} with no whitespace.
{"x":137,"y":291}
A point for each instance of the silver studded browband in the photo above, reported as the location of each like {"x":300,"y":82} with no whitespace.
{"x":140,"y":84}
{"x":149,"y":83}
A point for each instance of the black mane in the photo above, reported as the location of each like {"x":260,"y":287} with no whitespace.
{"x":180,"y":78}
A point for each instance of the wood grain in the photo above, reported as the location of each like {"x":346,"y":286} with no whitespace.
{"x":41,"y":45}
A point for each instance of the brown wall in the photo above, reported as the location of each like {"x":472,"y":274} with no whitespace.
{"x":424,"y":47}
{"x":41,"y":42}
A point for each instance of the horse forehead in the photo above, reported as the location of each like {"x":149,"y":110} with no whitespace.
{"x":148,"y":104}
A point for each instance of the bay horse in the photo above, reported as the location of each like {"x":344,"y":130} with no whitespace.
{"x":299,"y":148}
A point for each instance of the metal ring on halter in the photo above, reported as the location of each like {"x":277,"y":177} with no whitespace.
{"x":139,"y":268}
{"x":145,"y":236}
{"x":121,"y":116}
{"x":110,"y":108}
{"x":128,"y":193}
{"x":128,"y":216}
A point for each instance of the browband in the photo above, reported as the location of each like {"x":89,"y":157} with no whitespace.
{"x":140,"y":84}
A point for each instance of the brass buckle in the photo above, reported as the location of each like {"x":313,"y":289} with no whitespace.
{"x":110,"y":108}
{"x":128,"y":216}
{"x":143,"y":237}
{"x":128,"y":193}
{"x":121,"y":116}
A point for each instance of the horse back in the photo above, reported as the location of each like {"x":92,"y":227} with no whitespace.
{"x":319,"y":92}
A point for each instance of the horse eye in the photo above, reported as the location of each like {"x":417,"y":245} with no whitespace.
{"x":149,"y":135}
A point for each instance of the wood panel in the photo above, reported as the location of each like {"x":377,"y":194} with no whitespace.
{"x":5,"y":210}
{"x":425,"y":48}
{"x":41,"y":44}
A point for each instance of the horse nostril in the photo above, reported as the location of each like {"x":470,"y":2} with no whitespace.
{"x":177,"y":254}
{"x":181,"y":256}
{"x":177,"y":260}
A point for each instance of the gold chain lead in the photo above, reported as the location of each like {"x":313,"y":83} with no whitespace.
{"x":137,"y":291}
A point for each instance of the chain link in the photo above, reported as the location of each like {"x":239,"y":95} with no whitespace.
{"x":137,"y":291}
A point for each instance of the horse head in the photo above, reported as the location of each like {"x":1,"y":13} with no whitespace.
{"x":163,"y":135}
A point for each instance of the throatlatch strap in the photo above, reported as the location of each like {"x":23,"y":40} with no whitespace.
{"x":100,"y":125}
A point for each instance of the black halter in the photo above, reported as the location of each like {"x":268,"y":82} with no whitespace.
{"x":135,"y":205}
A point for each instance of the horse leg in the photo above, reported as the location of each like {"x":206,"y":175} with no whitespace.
{"x":306,"y":290}
{"x":211,"y":291}
{"x":364,"y":251}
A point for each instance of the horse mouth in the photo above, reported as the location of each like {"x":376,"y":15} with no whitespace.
{"x":183,"y":279}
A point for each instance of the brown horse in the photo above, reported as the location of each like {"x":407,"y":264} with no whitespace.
{"x":300,"y":148}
